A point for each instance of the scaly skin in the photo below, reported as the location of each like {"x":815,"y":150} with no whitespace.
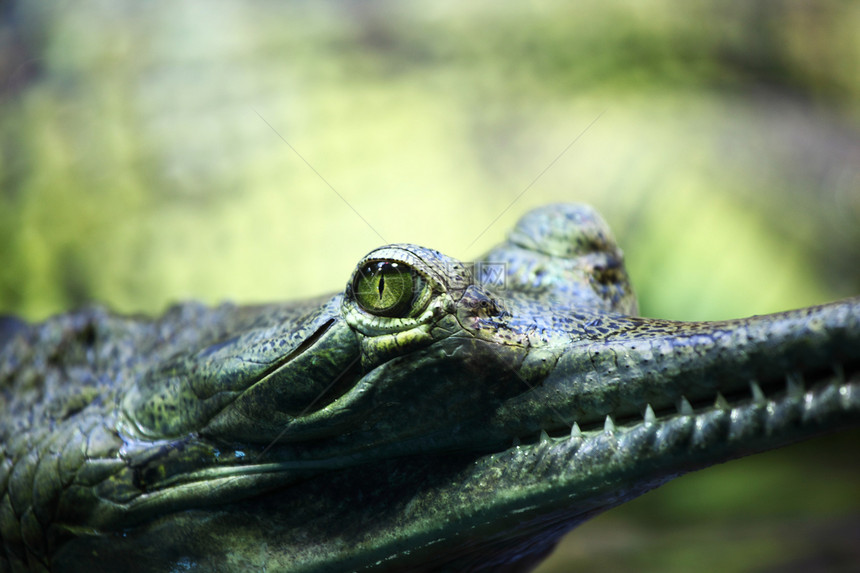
{"x":330,"y":435}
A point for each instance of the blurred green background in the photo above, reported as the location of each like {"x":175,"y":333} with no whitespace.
{"x":147,"y":156}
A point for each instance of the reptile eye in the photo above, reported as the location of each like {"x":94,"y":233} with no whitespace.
{"x":384,"y":288}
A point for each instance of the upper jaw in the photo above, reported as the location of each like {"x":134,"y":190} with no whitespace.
{"x":668,"y":367}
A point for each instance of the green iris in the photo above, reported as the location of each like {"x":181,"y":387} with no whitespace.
{"x":384,"y":288}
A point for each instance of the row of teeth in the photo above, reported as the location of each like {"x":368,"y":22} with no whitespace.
{"x":794,"y":387}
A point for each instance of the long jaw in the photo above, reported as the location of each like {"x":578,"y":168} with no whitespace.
{"x":798,"y":376}
{"x":592,"y":433}
{"x":462,"y":513}
{"x":615,"y":393}
{"x":518,"y":502}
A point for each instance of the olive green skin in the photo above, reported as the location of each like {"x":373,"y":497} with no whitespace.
{"x":319,"y":436}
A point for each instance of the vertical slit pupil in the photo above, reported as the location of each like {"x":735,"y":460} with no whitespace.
{"x":381,"y":285}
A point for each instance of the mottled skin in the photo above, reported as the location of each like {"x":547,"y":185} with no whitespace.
{"x":319,"y":436}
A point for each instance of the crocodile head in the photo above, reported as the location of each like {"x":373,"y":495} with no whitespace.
{"x":435,"y":415}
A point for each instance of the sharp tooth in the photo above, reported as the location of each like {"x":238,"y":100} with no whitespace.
{"x":794,"y":384}
{"x":609,"y":425}
{"x":721,"y":402}
{"x":684,"y":407}
{"x":544,"y":437}
{"x":757,"y":394}
{"x":575,"y":432}
{"x":650,"y":418}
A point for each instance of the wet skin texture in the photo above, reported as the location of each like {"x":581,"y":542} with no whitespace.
{"x":373,"y":429}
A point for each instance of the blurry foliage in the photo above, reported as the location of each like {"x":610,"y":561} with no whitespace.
{"x":143,"y":159}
